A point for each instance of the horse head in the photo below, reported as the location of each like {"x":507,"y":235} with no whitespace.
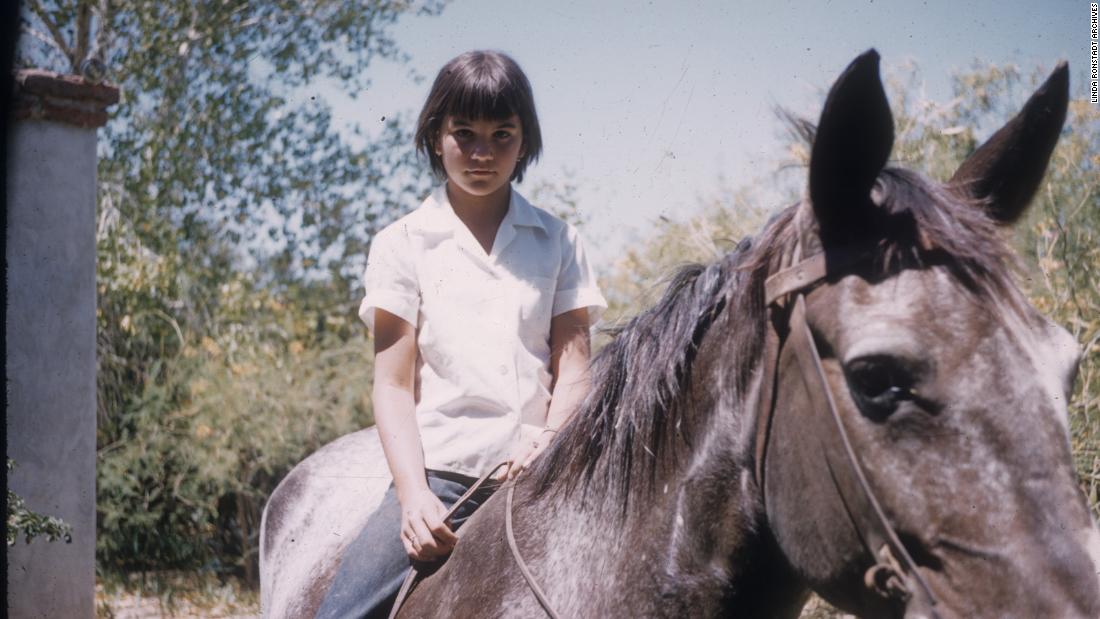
{"x":949,"y":388}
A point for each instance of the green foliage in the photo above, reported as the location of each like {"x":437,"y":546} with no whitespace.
{"x":217,"y":136}
{"x":22,"y":521}
{"x":234,"y":219}
{"x":186,"y":463}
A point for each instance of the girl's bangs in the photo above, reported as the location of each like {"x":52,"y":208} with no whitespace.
{"x":482,"y":98}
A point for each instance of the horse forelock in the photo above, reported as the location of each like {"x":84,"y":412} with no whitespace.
{"x":928,"y":224}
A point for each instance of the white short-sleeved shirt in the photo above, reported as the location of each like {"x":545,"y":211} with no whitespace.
{"x":482,"y":322}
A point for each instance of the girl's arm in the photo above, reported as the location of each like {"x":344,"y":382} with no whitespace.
{"x":423,"y":531}
{"x":569,"y":356}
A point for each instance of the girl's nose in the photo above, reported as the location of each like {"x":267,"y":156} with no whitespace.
{"x":482,"y":151}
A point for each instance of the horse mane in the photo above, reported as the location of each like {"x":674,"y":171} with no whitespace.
{"x":639,"y":408}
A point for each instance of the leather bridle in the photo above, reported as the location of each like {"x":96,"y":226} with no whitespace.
{"x":894,"y":575}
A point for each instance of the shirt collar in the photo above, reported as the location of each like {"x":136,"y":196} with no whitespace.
{"x":523,"y":214}
{"x":520,"y":212}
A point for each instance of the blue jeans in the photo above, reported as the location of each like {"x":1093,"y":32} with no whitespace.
{"x":375,"y":564}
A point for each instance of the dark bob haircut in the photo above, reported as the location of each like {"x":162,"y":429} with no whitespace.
{"x":480,"y":85}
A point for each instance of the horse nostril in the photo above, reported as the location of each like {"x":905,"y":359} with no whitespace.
{"x":919,"y":552}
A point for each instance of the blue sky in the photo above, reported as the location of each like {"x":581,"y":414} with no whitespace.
{"x":646,"y":105}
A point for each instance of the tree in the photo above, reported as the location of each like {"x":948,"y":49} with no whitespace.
{"x":234,"y":217}
{"x":207,"y":145}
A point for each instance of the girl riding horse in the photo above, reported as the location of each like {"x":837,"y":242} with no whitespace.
{"x":480,"y":306}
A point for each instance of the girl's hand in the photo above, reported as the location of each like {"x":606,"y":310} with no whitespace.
{"x":525,"y":453}
{"x":425,"y":536}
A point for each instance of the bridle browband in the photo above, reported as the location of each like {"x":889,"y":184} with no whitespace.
{"x":894,"y":575}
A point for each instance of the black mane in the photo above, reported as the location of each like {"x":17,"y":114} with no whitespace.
{"x":639,"y":407}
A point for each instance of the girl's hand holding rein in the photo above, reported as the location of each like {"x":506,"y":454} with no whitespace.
{"x":423,"y":532}
{"x":525,"y":453}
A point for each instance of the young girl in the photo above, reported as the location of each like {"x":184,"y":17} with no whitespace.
{"x":480,"y":305}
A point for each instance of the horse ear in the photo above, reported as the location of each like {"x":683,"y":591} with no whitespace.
{"x":1005,"y":171}
{"x":853,"y":141}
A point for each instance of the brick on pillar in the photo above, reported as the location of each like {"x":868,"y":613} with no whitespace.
{"x":51,"y":335}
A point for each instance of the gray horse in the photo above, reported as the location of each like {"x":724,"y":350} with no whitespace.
{"x":890,"y":432}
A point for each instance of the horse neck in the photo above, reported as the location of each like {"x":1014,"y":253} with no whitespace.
{"x":695,"y":531}
{"x":719,"y":513}
{"x":715,"y":522}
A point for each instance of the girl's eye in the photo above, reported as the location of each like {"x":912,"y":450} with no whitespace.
{"x":503,"y":135}
{"x":879,"y":385}
{"x":463,"y":133}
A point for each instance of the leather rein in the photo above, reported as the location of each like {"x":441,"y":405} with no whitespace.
{"x":894,"y":575}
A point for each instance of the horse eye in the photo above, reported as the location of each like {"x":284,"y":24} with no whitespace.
{"x":878,"y":384}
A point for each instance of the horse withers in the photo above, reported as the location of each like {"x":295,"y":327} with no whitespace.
{"x":858,"y":402}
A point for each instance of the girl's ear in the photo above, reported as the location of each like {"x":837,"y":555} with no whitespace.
{"x":437,"y":139}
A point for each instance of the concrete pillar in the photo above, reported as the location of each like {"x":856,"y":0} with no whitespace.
{"x":51,"y":335}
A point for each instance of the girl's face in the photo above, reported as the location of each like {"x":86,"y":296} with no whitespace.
{"x":479,"y":155}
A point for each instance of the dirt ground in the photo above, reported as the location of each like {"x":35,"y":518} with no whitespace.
{"x":220,"y":603}
{"x":228,"y":602}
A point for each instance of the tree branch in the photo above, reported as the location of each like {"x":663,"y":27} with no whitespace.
{"x":83,"y":29}
{"x":101,"y":32}
{"x":55,"y":32}
{"x":45,"y":38}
